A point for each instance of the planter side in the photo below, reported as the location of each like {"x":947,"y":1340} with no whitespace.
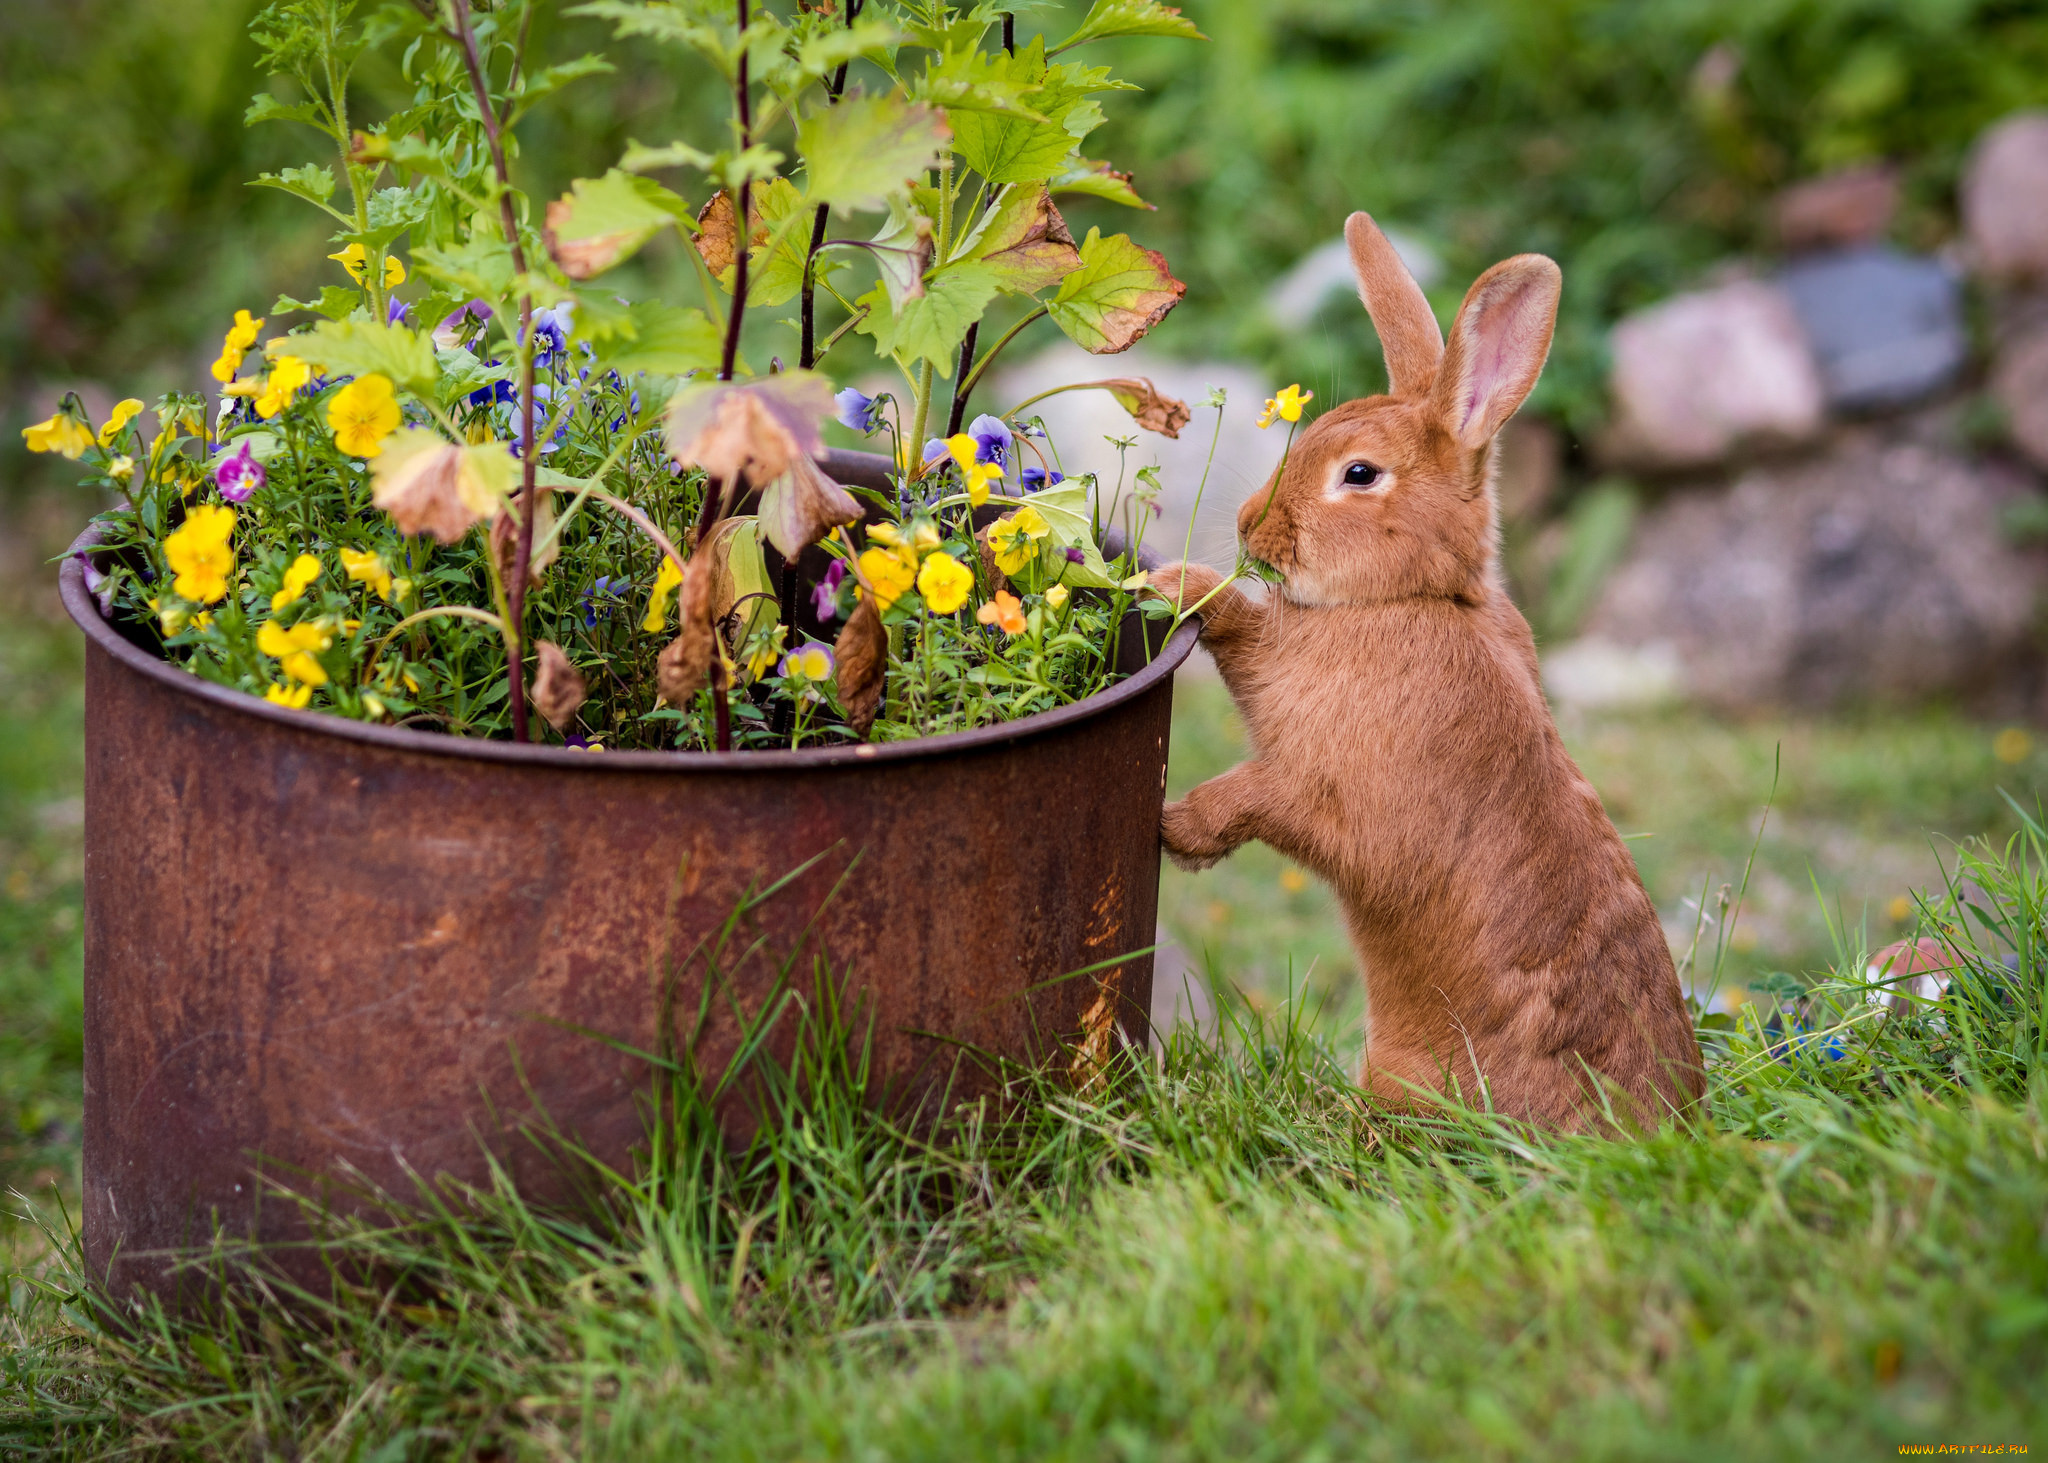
{"x":327,"y":956}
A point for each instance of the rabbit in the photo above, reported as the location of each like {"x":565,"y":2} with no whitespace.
{"x":1403,"y":749}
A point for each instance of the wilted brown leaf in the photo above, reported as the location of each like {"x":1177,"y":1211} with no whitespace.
{"x":1026,"y":242}
{"x":716,"y":230}
{"x":685,"y":662}
{"x":1149,"y":407}
{"x":1120,"y":291}
{"x":861,"y":654}
{"x":802,"y":506}
{"x":429,"y":485}
{"x":558,"y":688}
{"x":505,"y":536}
{"x":585,"y":258}
{"x":756,"y":430}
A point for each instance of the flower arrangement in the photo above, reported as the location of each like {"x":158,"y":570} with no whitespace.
{"x":468,"y":487}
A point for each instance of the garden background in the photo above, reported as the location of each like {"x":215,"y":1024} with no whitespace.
{"x":1586,"y":129}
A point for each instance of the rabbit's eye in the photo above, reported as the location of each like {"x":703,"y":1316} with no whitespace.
{"x":1361,"y":475}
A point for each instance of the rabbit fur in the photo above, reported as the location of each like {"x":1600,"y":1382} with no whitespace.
{"x":1404,"y":751}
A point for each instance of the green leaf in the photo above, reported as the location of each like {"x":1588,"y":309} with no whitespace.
{"x":1010,"y":149}
{"x":336,"y":302}
{"x":1130,"y":18}
{"x":360,"y":347}
{"x":861,"y":152}
{"x":462,"y":373}
{"x":975,"y":81}
{"x":661,"y":340}
{"x":641,"y":158}
{"x":314,"y":184}
{"x":543,"y":84}
{"x":903,"y":249}
{"x":675,"y":24}
{"x":210,"y":1356}
{"x":1064,"y":507}
{"x":1098,"y":180}
{"x":1119,"y":292}
{"x":482,"y":267}
{"x":1024,"y":240}
{"x":601,"y":222}
{"x":837,"y":44}
{"x":391,"y":212}
{"x":931,"y":326}
{"x":263,"y":107}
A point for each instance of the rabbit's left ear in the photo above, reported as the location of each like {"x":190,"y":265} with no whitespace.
{"x":1497,"y":347}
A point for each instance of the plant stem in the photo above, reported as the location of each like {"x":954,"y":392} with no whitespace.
{"x":921,"y":416}
{"x":962,"y":385}
{"x":974,"y":377}
{"x":508,"y":218}
{"x":807,"y":356}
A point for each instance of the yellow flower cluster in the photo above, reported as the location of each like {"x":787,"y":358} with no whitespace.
{"x":201,"y":555}
{"x":354,"y":257}
{"x":288,"y":374}
{"x":364,"y":567}
{"x":362,"y":414}
{"x":1286,"y":406}
{"x":295,"y":649}
{"x":1013,"y":538}
{"x":304,"y":570}
{"x":241,"y":335}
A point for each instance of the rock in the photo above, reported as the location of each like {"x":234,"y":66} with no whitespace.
{"x":1703,"y":374}
{"x":2019,"y":382}
{"x":1299,"y":295}
{"x":1886,"y":327}
{"x":2005,"y":197}
{"x":1593,"y":673}
{"x":1877,"y":571}
{"x":1839,"y":210}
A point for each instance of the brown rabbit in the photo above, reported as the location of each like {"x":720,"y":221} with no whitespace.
{"x":1403,"y":748}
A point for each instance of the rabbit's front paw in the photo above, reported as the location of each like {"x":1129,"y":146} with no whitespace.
{"x":1184,"y":585}
{"x":1189,"y":842}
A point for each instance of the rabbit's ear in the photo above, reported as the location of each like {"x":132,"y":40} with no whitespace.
{"x":1407,"y":327}
{"x":1497,"y":347}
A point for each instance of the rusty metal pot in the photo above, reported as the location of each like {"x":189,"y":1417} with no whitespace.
{"x":313,"y":944}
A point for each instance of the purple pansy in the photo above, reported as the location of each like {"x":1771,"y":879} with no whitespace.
{"x":551,"y":329}
{"x":1075,"y":556}
{"x":825,"y":598}
{"x":239,"y":475}
{"x":1039,"y":477}
{"x":398,"y":312}
{"x":449,"y":333}
{"x":858,"y":413}
{"x":992,"y":440}
{"x":935,"y":451}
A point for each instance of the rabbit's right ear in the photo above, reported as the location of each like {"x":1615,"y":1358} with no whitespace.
{"x":1407,"y":326}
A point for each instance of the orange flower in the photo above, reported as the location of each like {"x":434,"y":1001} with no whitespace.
{"x":1005,"y":610}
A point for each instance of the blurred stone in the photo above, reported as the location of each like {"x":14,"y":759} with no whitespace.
{"x":2019,"y":382}
{"x":1703,"y":374}
{"x":1527,"y":467}
{"x":1886,"y":327}
{"x":1839,"y":210}
{"x":2004,"y":197}
{"x":1875,"y":572}
{"x":1298,"y":295}
{"x":1594,"y":672}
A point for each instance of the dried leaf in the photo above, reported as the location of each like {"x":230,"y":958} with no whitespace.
{"x":756,"y":430}
{"x":716,"y":230}
{"x":861,"y":655}
{"x":685,"y":662}
{"x":772,"y":279}
{"x":602,"y":221}
{"x":1025,"y":241}
{"x":558,"y":688}
{"x":1119,"y":292}
{"x":505,"y":533}
{"x":429,"y":485}
{"x":739,"y":573}
{"x":802,"y":506}
{"x":1149,"y":407}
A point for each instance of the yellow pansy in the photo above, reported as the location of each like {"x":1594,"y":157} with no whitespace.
{"x":362,"y":414}
{"x":1286,"y":406}
{"x":1013,"y":539}
{"x":295,"y":648}
{"x":287,"y":375}
{"x":811,"y":661}
{"x":766,"y":652}
{"x":295,"y":697}
{"x":122,"y":468}
{"x":977,"y":474}
{"x":364,"y":567}
{"x":666,"y":583}
{"x":171,"y":616}
{"x":304,"y":570}
{"x":1057,"y":596}
{"x":944,"y":582}
{"x":200,"y":554}
{"x":355,"y":256}
{"x":401,"y":590}
{"x":241,"y":335}
{"x":61,"y":433}
{"x":889,"y":573}
{"x":124,"y":413}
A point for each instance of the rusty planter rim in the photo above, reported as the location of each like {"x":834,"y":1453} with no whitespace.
{"x":85,"y":611}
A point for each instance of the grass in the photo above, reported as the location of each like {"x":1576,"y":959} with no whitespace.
{"x":1222,"y":1252}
